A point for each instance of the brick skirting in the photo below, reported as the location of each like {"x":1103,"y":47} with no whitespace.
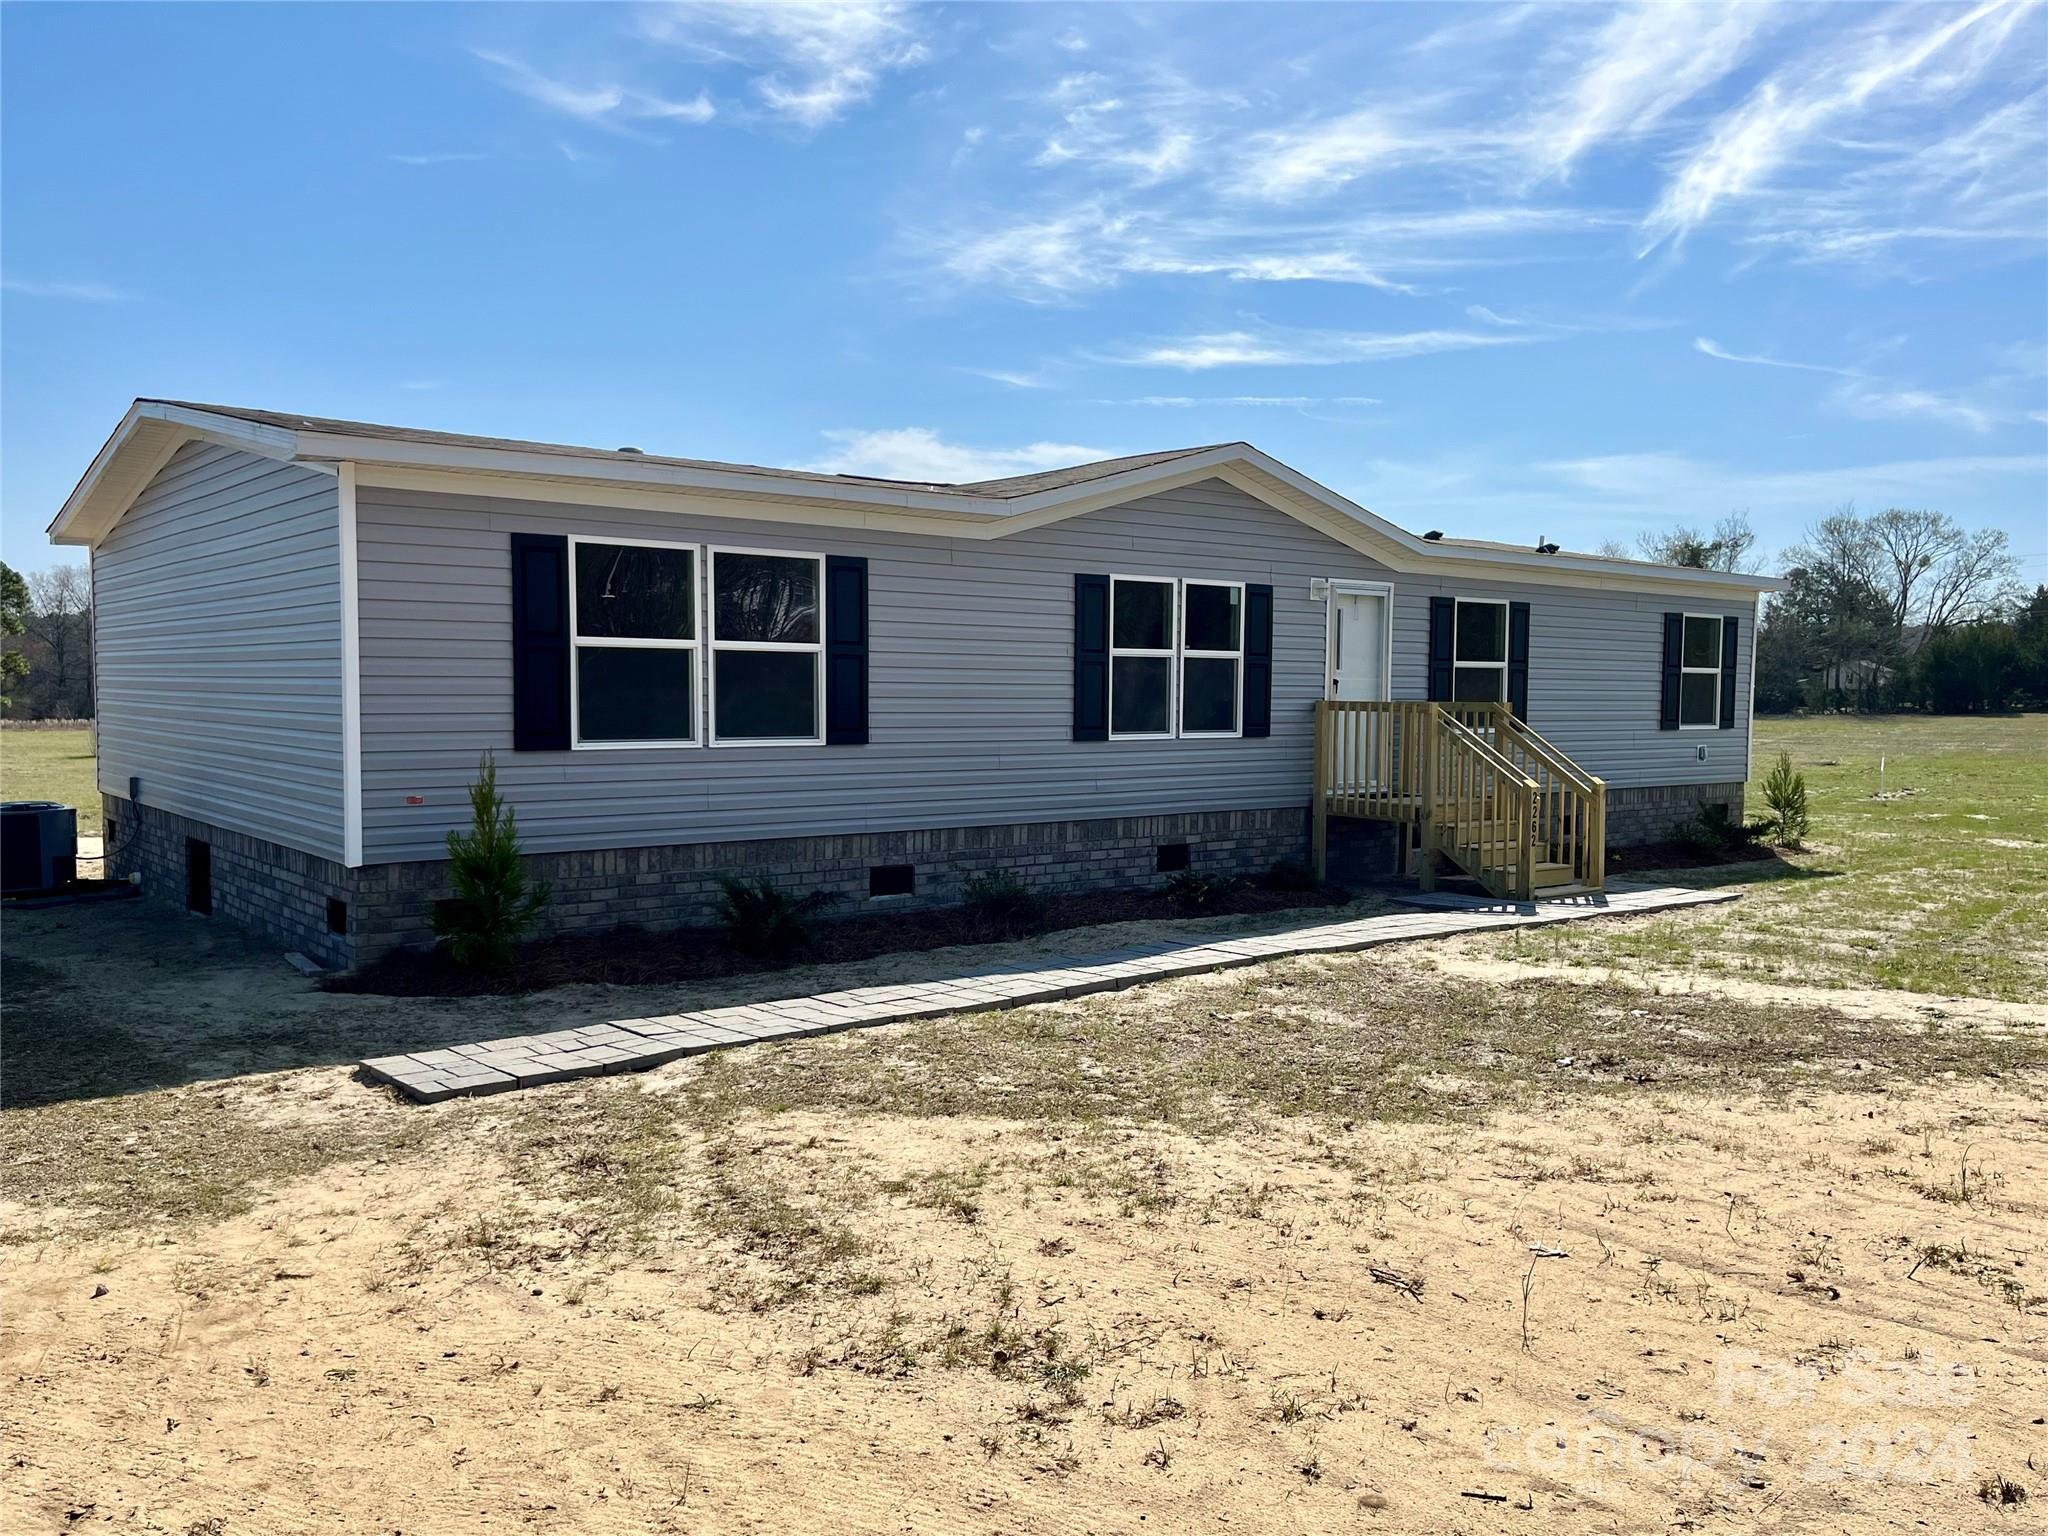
{"x":276,"y":891}
{"x":677,"y":885}
{"x":286,"y":895}
{"x":1647,"y":814}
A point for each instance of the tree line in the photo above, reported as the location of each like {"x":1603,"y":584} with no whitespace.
{"x":46,"y":644}
{"x":1896,"y":609}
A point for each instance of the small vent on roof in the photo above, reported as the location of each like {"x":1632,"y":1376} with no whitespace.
{"x":626,"y":450}
{"x":1434,"y":534}
{"x":1546,"y":549}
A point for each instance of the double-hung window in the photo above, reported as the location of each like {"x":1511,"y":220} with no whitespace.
{"x":1141,"y":656}
{"x":1176,"y":658}
{"x":1699,"y":679}
{"x":1479,"y":652}
{"x":633,"y":611}
{"x":1211,"y":657}
{"x":767,"y":647}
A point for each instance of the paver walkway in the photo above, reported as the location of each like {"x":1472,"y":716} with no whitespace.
{"x":631,"y":1045}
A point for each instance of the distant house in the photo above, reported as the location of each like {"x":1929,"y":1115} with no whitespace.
{"x":310,"y":631}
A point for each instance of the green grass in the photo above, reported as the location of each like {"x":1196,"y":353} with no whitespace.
{"x":1939,"y":888}
{"x":51,"y":765}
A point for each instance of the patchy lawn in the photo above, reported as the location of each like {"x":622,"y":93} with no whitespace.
{"x":1425,"y":1239}
{"x":52,"y":765}
{"x":1929,"y":876}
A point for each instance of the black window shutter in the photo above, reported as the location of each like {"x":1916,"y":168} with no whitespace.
{"x":1258,"y":661}
{"x":1443,"y":618}
{"x":1728,"y":646}
{"x":1091,"y":658}
{"x":540,"y":642}
{"x":1518,"y":659}
{"x":846,"y":651}
{"x":1674,"y":652}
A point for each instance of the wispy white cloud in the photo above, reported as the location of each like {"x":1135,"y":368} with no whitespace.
{"x":78,"y":292}
{"x":1255,"y":402}
{"x":607,"y":105}
{"x":1324,"y":155}
{"x":1290,"y":348}
{"x":1714,"y":349}
{"x":1094,"y":244}
{"x":1644,"y":63}
{"x":1016,"y":378}
{"x":919,"y":453}
{"x":436,"y":157}
{"x":1666,"y":484}
{"x":821,"y":58}
{"x":1886,"y":65}
{"x":1874,"y":399}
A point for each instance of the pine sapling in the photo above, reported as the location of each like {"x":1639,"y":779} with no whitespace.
{"x":1785,"y":795}
{"x":495,"y":904}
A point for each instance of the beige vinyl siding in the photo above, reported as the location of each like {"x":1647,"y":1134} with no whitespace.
{"x":217,"y":601}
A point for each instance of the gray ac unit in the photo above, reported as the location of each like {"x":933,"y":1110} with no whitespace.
{"x":38,"y":846}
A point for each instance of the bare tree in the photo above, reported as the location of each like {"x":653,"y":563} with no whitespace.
{"x":1933,"y":575}
{"x":1731,"y":546}
{"x":59,"y":636}
{"x":1977,"y":578}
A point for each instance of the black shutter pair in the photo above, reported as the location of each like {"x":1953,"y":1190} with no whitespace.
{"x":1674,"y":671}
{"x":541,"y":649}
{"x":1091,"y":660}
{"x":1443,"y":668}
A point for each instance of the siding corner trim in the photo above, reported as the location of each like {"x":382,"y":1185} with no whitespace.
{"x":351,"y":678}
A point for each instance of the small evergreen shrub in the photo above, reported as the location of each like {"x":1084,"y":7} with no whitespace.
{"x":495,"y":904}
{"x":1713,"y":833}
{"x":1785,"y":797}
{"x":764,"y":923}
{"x":1196,"y":895}
{"x":1292,"y":875}
{"x":1001,"y":900}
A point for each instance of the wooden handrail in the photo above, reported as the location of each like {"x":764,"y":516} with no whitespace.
{"x":1467,"y":780}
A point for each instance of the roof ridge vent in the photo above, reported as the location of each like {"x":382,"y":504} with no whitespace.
{"x":629,"y":450}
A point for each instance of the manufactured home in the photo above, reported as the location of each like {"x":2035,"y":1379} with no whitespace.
{"x":311,"y":631}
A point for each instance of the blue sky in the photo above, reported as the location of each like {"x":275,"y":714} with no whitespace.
{"x":1511,"y":271}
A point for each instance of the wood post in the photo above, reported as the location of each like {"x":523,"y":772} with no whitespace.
{"x":1321,"y":812}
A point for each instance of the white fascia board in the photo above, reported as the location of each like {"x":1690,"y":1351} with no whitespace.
{"x":149,"y":433}
{"x":377,"y":455}
{"x":680,"y":501}
{"x":533,"y":474}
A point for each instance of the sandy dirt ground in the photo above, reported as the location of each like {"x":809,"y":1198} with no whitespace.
{"x":1418,"y":1266}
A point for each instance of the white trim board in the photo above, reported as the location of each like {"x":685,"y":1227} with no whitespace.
{"x":351,"y":678}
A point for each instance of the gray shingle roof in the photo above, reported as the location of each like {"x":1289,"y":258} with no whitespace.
{"x":1006,"y":488}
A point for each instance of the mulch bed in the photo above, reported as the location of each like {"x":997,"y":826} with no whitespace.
{"x":636,"y":957}
{"x":1648,"y":857}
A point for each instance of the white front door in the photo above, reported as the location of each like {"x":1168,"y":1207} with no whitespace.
{"x":1358,"y":645}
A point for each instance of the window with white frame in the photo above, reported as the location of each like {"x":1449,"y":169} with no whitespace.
{"x":767,"y":646}
{"x":633,"y":608}
{"x":1141,"y":656}
{"x":1176,"y":658}
{"x":1699,"y":679}
{"x":1479,"y":652}
{"x":1211,"y":657}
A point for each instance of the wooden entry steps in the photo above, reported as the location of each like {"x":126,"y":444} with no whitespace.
{"x":1473,"y":789}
